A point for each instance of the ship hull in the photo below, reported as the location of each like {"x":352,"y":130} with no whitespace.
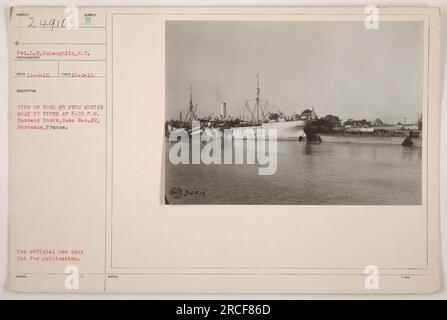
{"x":286,"y":130}
{"x":362,"y":139}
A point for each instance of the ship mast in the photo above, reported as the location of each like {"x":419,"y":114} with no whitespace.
{"x":191,"y":106}
{"x":258,"y":91}
{"x":191,"y":114}
{"x":255,"y":109}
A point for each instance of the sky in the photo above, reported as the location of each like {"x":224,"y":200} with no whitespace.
{"x":337,"y":68}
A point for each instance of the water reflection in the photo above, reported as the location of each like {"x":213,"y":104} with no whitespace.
{"x":319,"y":173}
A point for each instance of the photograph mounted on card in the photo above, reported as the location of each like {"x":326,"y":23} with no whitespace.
{"x":224,"y":150}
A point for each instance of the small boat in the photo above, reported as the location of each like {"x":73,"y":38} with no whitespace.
{"x":373,"y":139}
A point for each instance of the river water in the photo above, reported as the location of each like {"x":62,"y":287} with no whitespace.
{"x":307,"y":174}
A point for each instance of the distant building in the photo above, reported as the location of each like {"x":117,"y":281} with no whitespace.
{"x":412,"y":127}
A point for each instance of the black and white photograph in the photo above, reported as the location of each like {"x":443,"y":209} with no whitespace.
{"x":192,"y":151}
{"x":294,"y":112}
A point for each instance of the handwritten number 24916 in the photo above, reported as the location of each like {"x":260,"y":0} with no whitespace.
{"x":47,"y":23}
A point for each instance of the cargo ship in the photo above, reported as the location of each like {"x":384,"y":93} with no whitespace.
{"x":411,"y":140}
{"x":285,"y":129}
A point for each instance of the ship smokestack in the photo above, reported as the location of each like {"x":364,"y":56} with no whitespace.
{"x":223,"y":110}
